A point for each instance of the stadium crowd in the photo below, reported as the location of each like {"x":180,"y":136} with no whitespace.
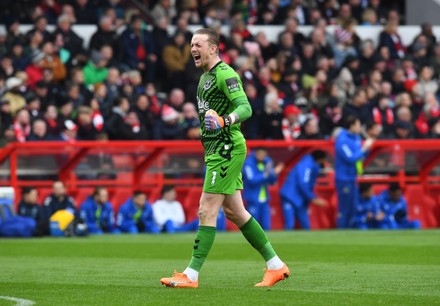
{"x":135,"y":81}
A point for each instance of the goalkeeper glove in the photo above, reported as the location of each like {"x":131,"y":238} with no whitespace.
{"x":213,"y":121}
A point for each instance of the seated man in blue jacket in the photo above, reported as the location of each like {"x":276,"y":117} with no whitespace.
{"x":136,"y":215}
{"x":258,"y":174}
{"x":29,"y":207}
{"x":394,"y":205}
{"x":297,"y":190}
{"x":368,"y":214}
{"x":98,"y":213}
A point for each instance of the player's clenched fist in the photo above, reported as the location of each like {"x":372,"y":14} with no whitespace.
{"x":213,"y":121}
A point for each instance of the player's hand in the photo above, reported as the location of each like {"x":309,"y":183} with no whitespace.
{"x":213,"y":121}
{"x":368,"y":144}
{"x":319,"y":202}
{"x":278,"y":168}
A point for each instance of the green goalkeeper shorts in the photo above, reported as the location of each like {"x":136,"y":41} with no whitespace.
{"x":224,"y":176}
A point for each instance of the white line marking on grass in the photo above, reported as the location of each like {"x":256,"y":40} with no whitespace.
{"x":20,"y":302}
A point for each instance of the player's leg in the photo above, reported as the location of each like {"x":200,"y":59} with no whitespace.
{"x":255,"y":235}
{"x":210,"y":204}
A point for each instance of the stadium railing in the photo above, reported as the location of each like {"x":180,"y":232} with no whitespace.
{"x":123,"y":167}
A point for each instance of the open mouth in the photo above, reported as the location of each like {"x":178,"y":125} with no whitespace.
{"x":197,"y":58}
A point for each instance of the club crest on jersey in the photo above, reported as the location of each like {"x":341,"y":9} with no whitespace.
{"x":208,"y":84}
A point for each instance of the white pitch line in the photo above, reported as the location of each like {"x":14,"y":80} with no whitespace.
{"x":20,"y":302}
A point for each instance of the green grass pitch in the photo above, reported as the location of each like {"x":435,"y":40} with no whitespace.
{"x":328,"y":268}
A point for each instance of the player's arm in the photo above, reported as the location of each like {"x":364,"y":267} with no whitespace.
{"x":232,"y":87}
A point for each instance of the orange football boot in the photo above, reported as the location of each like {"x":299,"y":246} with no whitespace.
{"x":271,"y":277}
{"x":179,"y":280}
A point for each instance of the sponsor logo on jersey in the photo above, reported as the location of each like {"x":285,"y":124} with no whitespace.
{"x":208,"y":84}
{"x":202,"y":105}
{"x":233,"y":85}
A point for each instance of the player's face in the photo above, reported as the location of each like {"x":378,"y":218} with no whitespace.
{"x":202,"y":51}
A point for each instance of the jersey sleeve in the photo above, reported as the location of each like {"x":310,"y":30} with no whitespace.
{"x":230,"y":84}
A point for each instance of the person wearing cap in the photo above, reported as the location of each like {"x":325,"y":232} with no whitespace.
{"x":349,"y":154}
{"x":297,"y":190}
{"x":95,"y":71}
{"x":402,"y":130}
{"x":171,"y":125}
{"x":258,"y":173}
{"x":69,"y":131}
{"x":13,"y":94}
{"x":35,"y":70}
{"x":290,"y":125}
{"x":395,"y":207}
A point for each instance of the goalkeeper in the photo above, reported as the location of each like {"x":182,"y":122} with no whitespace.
{"x":222,"y":105}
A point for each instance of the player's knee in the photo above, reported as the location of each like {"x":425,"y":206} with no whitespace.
{"x":206,"y":213}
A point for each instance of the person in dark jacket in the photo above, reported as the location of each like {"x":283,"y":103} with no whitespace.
{"x":297,"y":190}
{"x":58,"y":200}
{"x":29,"y":207}
{"x":349,"y":154}
{"x":137,"y":48}
{"x":258,"y":174}
{"x":136,"y":215}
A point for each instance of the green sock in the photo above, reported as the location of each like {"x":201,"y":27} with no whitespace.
{"x":256,"y":236}
{"x":202,"y":245}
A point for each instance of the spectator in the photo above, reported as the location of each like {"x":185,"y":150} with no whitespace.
{"x":95,"y":71}
{"x":29,"y":207}
{"x":40,"y":26}
{"x":72,"y":42}
{"x":136,"y":215}
{"x":85,"y":13}
{"x":330,"y":117}
{"x":54,"y":123}
{"x":171,"y":126}
{"x":19,"y":59}
{"x":7,"y":133}
{"x":13,"y":95}
{"x":58,"y":200}
{"x":310,"y":129}
{"x":273,"y":115}
{"x":138,"y":50}
{"x":297,"y":190}
{"x":69,"y":131}
{"x":358,"y":107}
{"x":147,"y":118}
{"x":97,"y":212}
{"x":53,"y":62}
{"x":291,"y":127}
{"x":368,"y":213}
{"x":115,"y":124}
{"x":349,"y":153}
{"x":175,"y":57}
{"x":258,"y":173}
{"x":105,"y":35}
{"x":163,"y":8}
{"x":191,"y":121}
{"x":169,"y":215}
{"x":22,"y":125}
{"x":391,"y":39}
{"x":87,"y":127}
{"x":39,"y":131}
{"x":395,"y":207}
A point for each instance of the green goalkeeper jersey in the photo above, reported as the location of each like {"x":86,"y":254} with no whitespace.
{"x":221,"y":89}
